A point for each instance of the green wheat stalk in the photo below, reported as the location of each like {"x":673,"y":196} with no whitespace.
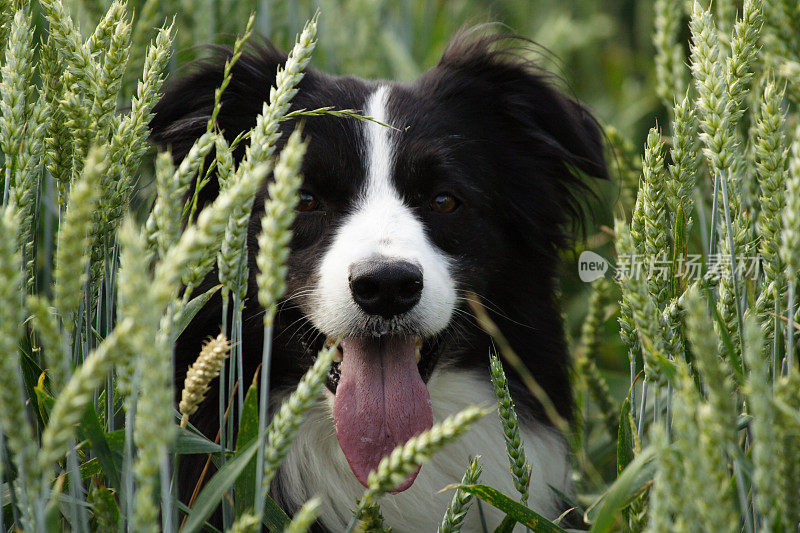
{"x":304,"y":518}
{"x":372,"y":520}
{"x":265,"y":133}
{"x":66,"y":34}
{"x":764,"y":452}
{"x":58,"y":139}
{"x":585,"y":365}
{"x":164,"y":224}
{"x":17,"y":430}
{"x":129,"y":141}
{"x":74,"y":238}
{"x":669,"y":52}
{"x":790,"y":242}
{"x":152,"y":370}
{"x":77,"y":393}
{"x":149,"y":18}
{"x":285,"y":424}
{"x":273,"y":243}
{"x":744,"y":52}
{"x":683,"y":169}
{"x":770,"y":164}
{"x":515,"y":447}
{"x":656,"y":220}
{"x":246,"y":523}
{"x":109,"y":84}
{"x":457,"y":510}
{"x":786,"y":469}
{"x":646,"y":318}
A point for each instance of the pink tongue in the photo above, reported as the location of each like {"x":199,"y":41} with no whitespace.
{"x":381,"y":401}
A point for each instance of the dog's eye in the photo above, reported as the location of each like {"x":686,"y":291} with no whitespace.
{"x":444,"y":203}
{"x":307,"y":202}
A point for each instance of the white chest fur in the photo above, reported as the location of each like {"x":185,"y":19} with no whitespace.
{"x":316,"y":465}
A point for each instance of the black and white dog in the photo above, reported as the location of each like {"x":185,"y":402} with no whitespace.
{"x":469,"y":191}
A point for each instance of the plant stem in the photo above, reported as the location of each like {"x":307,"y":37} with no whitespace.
{"x":263,"y":410}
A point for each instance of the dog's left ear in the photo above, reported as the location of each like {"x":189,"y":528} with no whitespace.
{"x":565,"y":124}
{"x":529,"y":98}
{"x":546,"y":139}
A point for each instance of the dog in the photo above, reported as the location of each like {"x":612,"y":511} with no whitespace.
{"x":472,"y":189}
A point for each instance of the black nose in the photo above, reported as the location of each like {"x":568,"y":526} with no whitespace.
{"x":385,"y":288}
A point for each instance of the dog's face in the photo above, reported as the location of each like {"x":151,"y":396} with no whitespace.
{"x":462,"y":184}
{"x":381,"y":270}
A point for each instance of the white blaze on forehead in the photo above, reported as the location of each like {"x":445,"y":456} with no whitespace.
{"x":381,"y":225}
{"x":379,"y":148}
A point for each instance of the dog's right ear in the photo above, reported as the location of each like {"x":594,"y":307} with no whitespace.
{"x":182,"y":114}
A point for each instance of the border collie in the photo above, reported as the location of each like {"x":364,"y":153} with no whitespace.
{"x":471,"y":190}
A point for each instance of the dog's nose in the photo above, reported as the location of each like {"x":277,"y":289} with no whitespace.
{"x":385,"y":288}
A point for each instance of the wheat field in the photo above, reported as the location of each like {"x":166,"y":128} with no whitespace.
{"x":685,"y":357}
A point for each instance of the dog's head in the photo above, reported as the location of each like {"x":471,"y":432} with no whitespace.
{"x":463,"y":182}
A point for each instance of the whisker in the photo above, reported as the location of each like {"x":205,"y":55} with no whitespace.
{"x":495,"y":309}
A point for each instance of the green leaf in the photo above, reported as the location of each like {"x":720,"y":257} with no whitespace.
{"x":106,"y":510}
{"x":33,"y":376}
{"x":633,"y":480}
{"x":44,"y":401}
{"x":274,"y":517}
{"x":625,"y":453}
{"x":679,"y":252}
{"x":52,"y":512}
{"x":568,"y":500}
{"x":518,"y":512}
{"x":665,"y":366}
{"x":245,"y":486}
{"x":180,"y":506}
{"x":506,"y":526}
{"x":91,"y":429}
{"x":192,"y":308}
{"x":743,"y":422}
{"x":624,"y":437}
{"x":90,"y":468}
{"x":186,"y":442}
{"x":215,"y":489}
{"x":733,"y":353}
{"x":116,"y":440}
{"x":189,"y":442}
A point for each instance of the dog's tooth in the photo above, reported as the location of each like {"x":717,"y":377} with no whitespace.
{"x":337,"y":356}
{"x":418,"y":353}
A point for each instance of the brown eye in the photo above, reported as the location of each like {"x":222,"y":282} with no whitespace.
{"x":444,"y":203}
{"x":307,"y":201}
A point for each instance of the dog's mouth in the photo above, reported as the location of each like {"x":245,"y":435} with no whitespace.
{"x":380,"y":397}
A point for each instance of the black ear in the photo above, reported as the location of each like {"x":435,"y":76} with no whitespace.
{"x":182,"y":114}
{"x":530,"y":96}
{"x":553,"y":138}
